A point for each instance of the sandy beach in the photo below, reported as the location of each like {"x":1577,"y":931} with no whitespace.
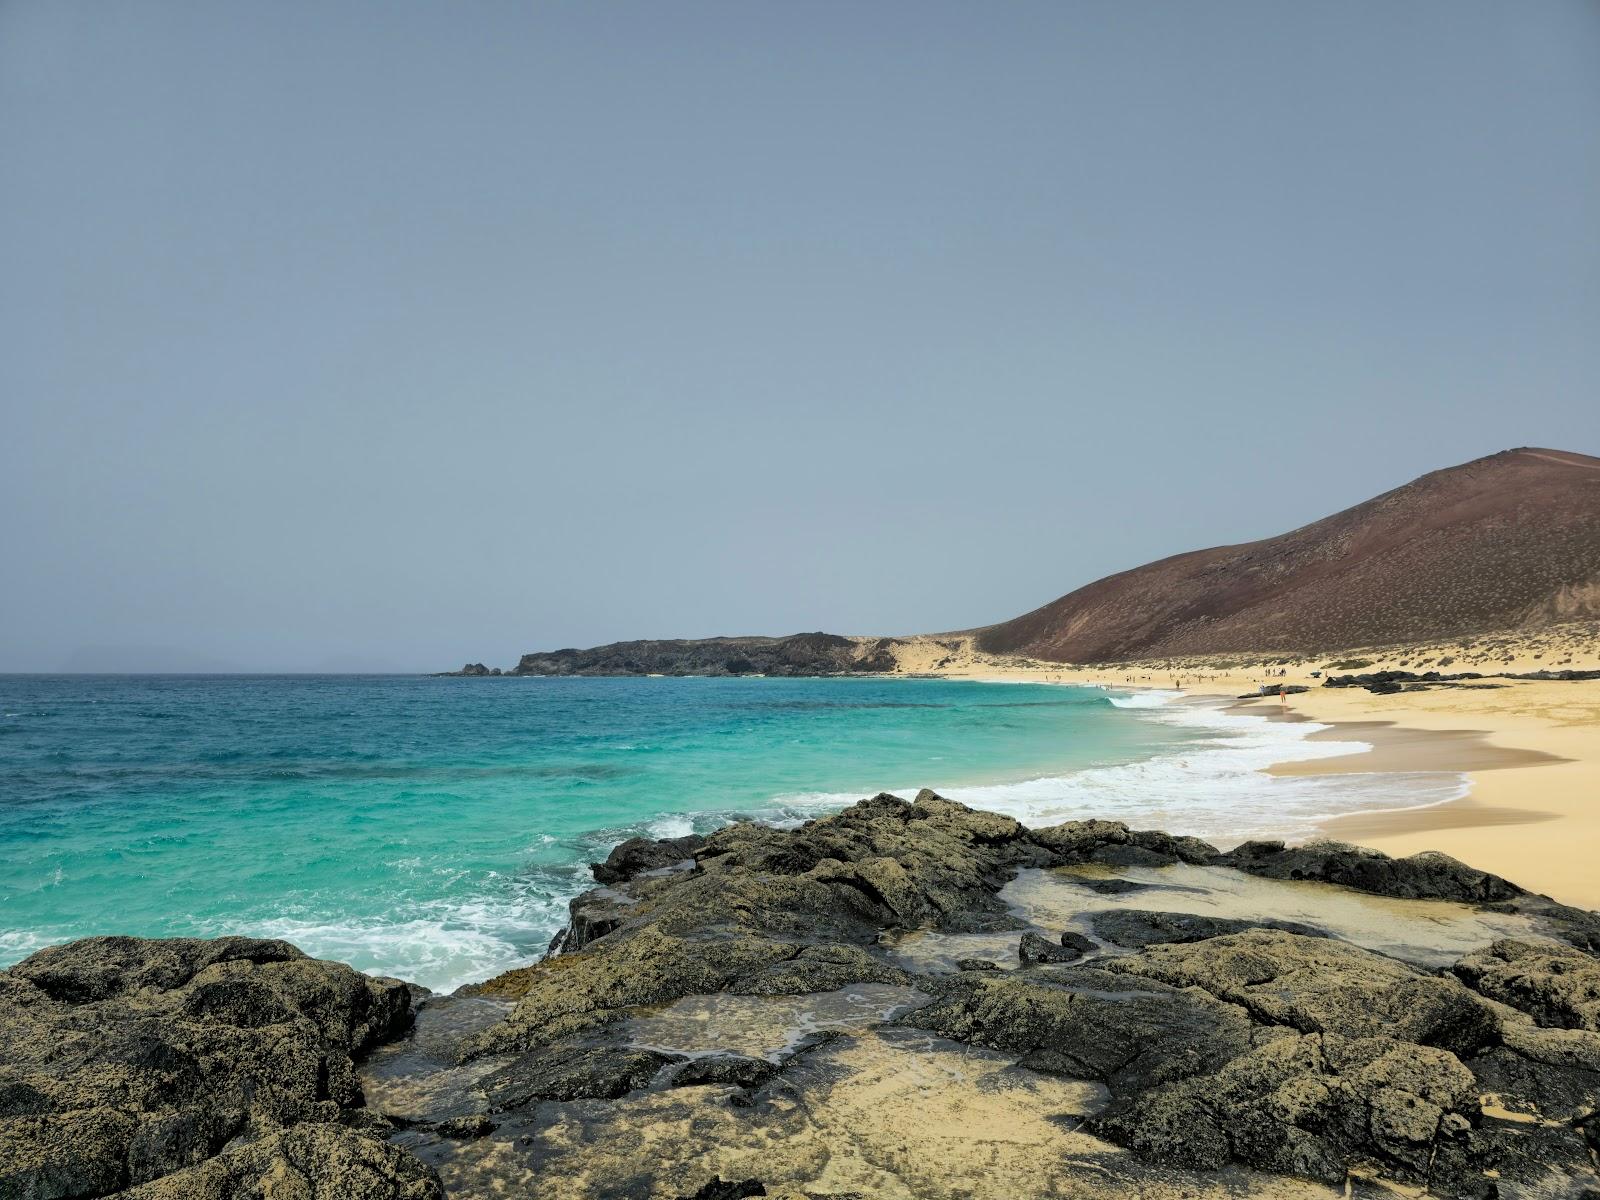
{"x":1531,"y":749}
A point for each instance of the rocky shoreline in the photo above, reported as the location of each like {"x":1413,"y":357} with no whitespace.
{"x":903,"y":999}
{"x":796,"y":654}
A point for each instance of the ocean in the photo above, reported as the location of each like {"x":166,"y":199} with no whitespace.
{"x":435,"y":829}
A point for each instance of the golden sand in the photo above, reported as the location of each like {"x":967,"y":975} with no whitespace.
{"x":1530,"y":748}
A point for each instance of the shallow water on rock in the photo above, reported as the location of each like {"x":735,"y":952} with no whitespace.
{"x":930,"y":950}
{"x":417,"y":1078}
{"x":1425,"y":933}
{"x":765,"y":1026}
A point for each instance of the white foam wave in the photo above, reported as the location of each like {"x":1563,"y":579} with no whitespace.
{"x":1215,"y":786}
{"x":1147,"y":699}
{"x":441,"y":944}
{"x":17,"y":944}
{"x":671,"y":825}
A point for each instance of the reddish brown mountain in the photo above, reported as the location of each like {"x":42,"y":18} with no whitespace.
{"x":1508,"y":541}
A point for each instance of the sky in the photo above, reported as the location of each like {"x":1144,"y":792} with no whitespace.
{"x":391,"y":336}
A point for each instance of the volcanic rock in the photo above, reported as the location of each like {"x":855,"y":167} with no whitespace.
{"x":1428,"y":875}
{"x":126,"y":1060}
{"x":1138,"y":927}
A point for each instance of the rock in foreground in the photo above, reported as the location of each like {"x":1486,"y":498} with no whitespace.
{"x":914,"y":1001}
{"x":659,"y":1050}
{"x":192,"y":1068}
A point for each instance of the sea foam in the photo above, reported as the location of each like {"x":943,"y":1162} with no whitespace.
{"x":1214,"y":787}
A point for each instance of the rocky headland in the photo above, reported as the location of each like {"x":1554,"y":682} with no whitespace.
{"x":900,"y":1000}
{"x":796,"y":654}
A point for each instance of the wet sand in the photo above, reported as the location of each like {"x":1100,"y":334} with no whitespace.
{"x":1530,"y":748}
{"x":1532,"y":752}
{"x":1397,"y":747}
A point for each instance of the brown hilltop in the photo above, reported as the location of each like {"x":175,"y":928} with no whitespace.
{"x":1503,"y":542}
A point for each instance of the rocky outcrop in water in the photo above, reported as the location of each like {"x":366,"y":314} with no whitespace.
{"x":638,"y":854}
{"x":1429,"y":875}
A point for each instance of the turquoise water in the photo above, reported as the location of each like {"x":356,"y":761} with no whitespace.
{"x":435,"y":828}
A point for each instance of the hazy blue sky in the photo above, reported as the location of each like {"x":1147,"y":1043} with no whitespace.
{"x":393,"y":335}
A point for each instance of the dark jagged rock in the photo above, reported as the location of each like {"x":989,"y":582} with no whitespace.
{"x":1429,"y":875}
{"x":1557,"y":986}
{"x":1388,"y":682}
{"x":1035,"y":949}
{"x":1301,"y":1056}
{"x":1159,"y":849}
{"x":1318,"y":985}
{"x":473,"y":1125}
{"x":1113,"y":843}
{"x":590,"y":917}
{"x":1365,"y":1059}
{"x":1311,"y":1105}
{"x":1114,"y":887}
{"x":308,"y":1162}
{"x":1548,"y":1074}
{"x":1089,"y":1023}
{"x":572,"y":1072}
{"x":1228,"y":1043}
{"x":797,"y":654}
{"x":1138,"y":927}
{"x":637,"y":855}
{"x":736,"y":1070}
{"x":126,"y":1060}
{"x":1076,"y":841}
{"x":718,"y":1188}
{"x":1575,"y":926}
{"x":770,"y":911}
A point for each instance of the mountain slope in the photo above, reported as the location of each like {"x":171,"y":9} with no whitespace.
{"x":1507,"y":541}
